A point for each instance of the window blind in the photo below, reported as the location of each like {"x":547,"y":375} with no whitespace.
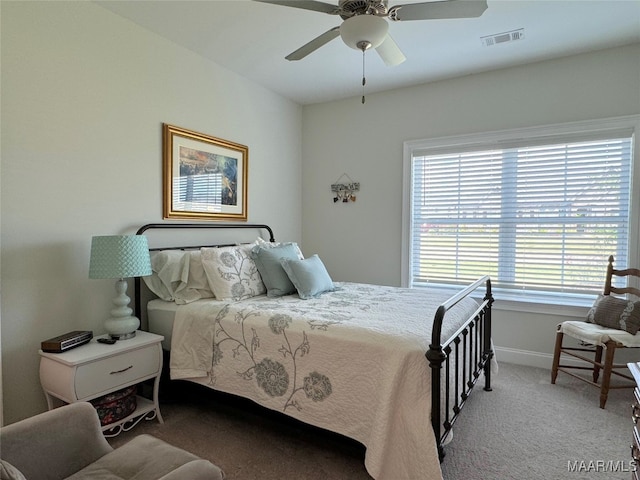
{"x":539,"y":217}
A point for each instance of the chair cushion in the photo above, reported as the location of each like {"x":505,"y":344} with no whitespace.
{"x":146,"y":458}
{"x":597,"y":334}
{"x":614,"y":312}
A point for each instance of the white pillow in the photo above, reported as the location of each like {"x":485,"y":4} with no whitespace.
{"x":231,"y":272}
{"x":197,"y":286}
{"x":178,"y":276}
{"x":169,"y":271}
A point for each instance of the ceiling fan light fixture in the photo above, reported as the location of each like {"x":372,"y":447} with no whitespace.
{"x":364,"y":28}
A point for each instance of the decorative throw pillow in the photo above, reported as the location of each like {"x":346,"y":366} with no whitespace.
{"x":614,"y":312}
{"x":309,"y":276}
{"x":273,"y":275}
{"x":231,"y":272}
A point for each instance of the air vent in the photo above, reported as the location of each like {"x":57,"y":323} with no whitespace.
{"x":505,"y":37}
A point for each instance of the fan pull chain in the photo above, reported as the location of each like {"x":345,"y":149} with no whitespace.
{"x":364,"y":80}
{"x":364,"y":46}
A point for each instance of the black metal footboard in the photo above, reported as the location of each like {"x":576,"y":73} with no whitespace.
{"x":456,"y":362}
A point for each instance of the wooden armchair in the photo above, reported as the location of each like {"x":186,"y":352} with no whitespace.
{"x":612,"y":323}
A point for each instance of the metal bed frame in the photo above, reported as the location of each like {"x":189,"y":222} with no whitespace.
{"x":456,"y":362}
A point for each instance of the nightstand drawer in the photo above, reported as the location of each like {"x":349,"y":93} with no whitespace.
{"x":107,"y":374}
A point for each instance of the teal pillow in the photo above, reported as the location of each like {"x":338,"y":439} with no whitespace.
{"x":267,"y":259}
{"x":309,"y":276}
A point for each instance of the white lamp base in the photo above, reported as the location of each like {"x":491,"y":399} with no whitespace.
{"x":122,"y":324}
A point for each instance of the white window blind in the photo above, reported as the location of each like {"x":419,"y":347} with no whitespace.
{"x":537,"y":216}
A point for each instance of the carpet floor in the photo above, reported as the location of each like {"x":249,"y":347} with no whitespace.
{"x":525,"y":428}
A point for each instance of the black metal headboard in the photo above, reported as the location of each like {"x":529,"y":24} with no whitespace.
{"x":190,"y":226}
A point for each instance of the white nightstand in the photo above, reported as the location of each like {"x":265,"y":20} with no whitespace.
{"x":96,"y":369}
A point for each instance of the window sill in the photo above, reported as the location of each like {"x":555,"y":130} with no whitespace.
{"x":550,"y":304}
{"x":508,"y":301}
{"x":567,"y":309}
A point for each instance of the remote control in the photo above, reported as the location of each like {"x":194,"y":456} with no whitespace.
{"x":108,"y":341}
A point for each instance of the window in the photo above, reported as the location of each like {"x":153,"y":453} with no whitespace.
{"x":539,"y":210}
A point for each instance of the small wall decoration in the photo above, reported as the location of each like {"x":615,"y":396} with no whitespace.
{"x":344,"y":192}
{"x":204,"y":177}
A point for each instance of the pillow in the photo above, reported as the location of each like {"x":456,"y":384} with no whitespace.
{"x":261,"y":242}
{"x":197,"y":285}
{"x":614,"y":312}
{"x":178,"y":276}
{"x":309,"y":276}
{"x":273,"y":275}
{"x":231,"y":273}
{"x":170,"y":269}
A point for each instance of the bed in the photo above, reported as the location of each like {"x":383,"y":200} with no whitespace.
{"x":349,"y":358}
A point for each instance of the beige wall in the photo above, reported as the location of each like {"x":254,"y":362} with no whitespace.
{"x":84,"y":96}
{"x":361,"y":241}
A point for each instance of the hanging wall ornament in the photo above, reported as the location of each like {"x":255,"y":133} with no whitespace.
{"x":344,"y":189}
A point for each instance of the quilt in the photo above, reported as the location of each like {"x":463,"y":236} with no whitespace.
{"x":351,"y":361}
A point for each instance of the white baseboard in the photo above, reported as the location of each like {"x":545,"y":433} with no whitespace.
{"x":529,"y":358}
{"x":545,"y":360}
{"x":523,"y":357}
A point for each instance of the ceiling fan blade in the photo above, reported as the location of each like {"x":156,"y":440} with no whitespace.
{"x":306,"y":5}
{"x":390,"y":52}
{"x":314,"y":44}
{"x":438,"y":10}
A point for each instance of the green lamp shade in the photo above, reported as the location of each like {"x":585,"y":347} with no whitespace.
{"x":119,"y":256}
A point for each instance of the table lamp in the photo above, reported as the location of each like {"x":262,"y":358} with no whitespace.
{"x":120,"y":257}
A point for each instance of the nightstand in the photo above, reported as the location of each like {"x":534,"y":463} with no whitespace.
{"x":95,"y":369}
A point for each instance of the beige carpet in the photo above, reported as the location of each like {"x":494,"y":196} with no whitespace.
{"x":525,"y":428}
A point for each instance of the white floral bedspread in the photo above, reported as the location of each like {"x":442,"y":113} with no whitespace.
{"x":351,"y":361}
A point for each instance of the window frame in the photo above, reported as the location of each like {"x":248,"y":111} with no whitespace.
{"x":548,"y":134}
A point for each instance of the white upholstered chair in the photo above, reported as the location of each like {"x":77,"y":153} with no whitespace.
{"x":611,"y":324}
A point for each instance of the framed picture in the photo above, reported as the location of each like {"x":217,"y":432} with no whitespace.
{"x":204,"y":177}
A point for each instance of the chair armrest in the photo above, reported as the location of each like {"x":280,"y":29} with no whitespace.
{"x":54,"y":444}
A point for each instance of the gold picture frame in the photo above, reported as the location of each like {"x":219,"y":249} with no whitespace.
{"x":204,"y":177}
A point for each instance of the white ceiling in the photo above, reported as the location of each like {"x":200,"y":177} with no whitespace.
{"x":252,"y":39}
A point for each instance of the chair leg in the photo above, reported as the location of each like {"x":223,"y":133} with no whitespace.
{"x":606,"y":375}
{"x":598,"y":359}
{"x":556,"y":357}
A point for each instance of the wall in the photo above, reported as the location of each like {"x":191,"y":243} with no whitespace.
{"x":361,"y":241}
{"x":84,"y":96}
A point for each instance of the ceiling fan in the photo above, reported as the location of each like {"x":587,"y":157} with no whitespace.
{"x":364,"y":25}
